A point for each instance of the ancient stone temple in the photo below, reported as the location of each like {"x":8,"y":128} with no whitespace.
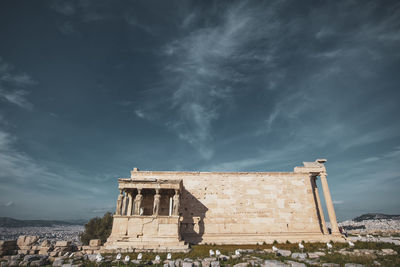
{"x":169,"y":210}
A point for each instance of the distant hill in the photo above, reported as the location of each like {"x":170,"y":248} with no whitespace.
{"x":376,"y":216}
{"x":11,"y":222}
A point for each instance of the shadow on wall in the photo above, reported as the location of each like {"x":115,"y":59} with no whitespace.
{"x":193,"y":213}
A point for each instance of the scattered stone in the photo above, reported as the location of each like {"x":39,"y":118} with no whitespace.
{"x":242,"y":264}
{"x":353,"y":265}
{"x":274,"y":263}
{"x":301,"y":256}
{"x":388,"y":251}
{"x":284,"y":253}
{"x":205,"y":263}
{"x":187,"y":264}
{"x":223,"y":257}
{"x":46,"y":243}
{"x":27,"y":240}
{"x":215,"y":264}
{"x":63,"y":243}
{"x":330,"y":265}
{"x":58,"y":262}
{"x":296,"y":264}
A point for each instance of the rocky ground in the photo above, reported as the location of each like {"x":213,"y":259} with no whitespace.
{"x":29,"y":251}
{"x":53,"y":233}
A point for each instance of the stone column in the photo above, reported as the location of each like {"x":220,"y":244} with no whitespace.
{"x":156,"y":204}
{"x":138,"y":202}
{"x":119,"y":203}
{"x":175,"y":209}
{"x":319,"y":206}
{"x":129,"y":211}
{"x":329,"y":204}
{"x":124,"y":204}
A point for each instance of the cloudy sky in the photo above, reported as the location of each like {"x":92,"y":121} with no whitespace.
{"x":91,"y":89}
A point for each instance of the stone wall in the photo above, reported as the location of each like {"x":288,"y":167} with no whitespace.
{"x":243,"y":207}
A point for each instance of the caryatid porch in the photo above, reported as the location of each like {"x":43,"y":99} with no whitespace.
{"x":147,"y":215}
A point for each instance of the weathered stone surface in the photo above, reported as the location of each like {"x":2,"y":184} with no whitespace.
{"x":274,"y":263}
{"x":279,"y":206}
{"x":45,"y":244}
{"x":330,"y":265}
{"x":95,"y":243}
{"x":388,"y":251}
{"x":58,"y":262}
{"x":301,"y":256}
{"x":215,"y":264}
{"x":39,"y":262}
{"x":63,"y":243}
{"x":353,"y":265}
{"x":242,"y":264}
{"x":187,"y":264}
{"x":315,"y":255}
{"x":205,"y":263}
{"x":296,"y":264}
{"x":223,"y":257}
{"x":27,"y":240}
{"x":285,"y":253}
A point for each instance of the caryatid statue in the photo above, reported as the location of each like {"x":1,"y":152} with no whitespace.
{"x":156,"y":205}
{"x":119,"y":202}
{"x":175,"y":209}
{"x":138,"y":202}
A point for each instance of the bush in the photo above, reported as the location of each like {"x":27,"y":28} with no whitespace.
{"x":97,"y":228}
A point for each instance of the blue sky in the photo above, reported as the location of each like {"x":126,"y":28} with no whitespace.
{"x":91,"y":89}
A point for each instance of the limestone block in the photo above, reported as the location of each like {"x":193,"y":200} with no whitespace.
{"x":328,"y":264}
{"x":27,"y":240}
{"x":296,"y":264}
{"x":284,"y":253}
{"x":95,"y":242}
{"x":274,"y":263}
{"x":215,"y":264}
{"x":301,"y":256}
{"x":58,"y":262}
{"x":23,"y":251}
{"x":187,"y":264}
{"x":54,"y":253}
{"x":45,"y":243}
{"x":25,"y":247}
{"x":63,"y":243}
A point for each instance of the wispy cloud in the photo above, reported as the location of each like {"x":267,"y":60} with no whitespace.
{"x":11,"y":84}
{"x":203,"y":68}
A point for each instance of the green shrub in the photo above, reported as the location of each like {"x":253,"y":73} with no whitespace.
{"x":97,"y":228}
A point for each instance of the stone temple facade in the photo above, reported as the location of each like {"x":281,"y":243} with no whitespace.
{"x":160,"y":210}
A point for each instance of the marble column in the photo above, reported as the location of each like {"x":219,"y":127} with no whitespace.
{"x":175,"y":209}
{"x":119,"y":203}
{"x":156,"y":203}
{"x":138,"y":202}
{"x":124,"y":204}
{"x":129,"y":211}
{"x":329,"y":204}
{"x":319,"y":206}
